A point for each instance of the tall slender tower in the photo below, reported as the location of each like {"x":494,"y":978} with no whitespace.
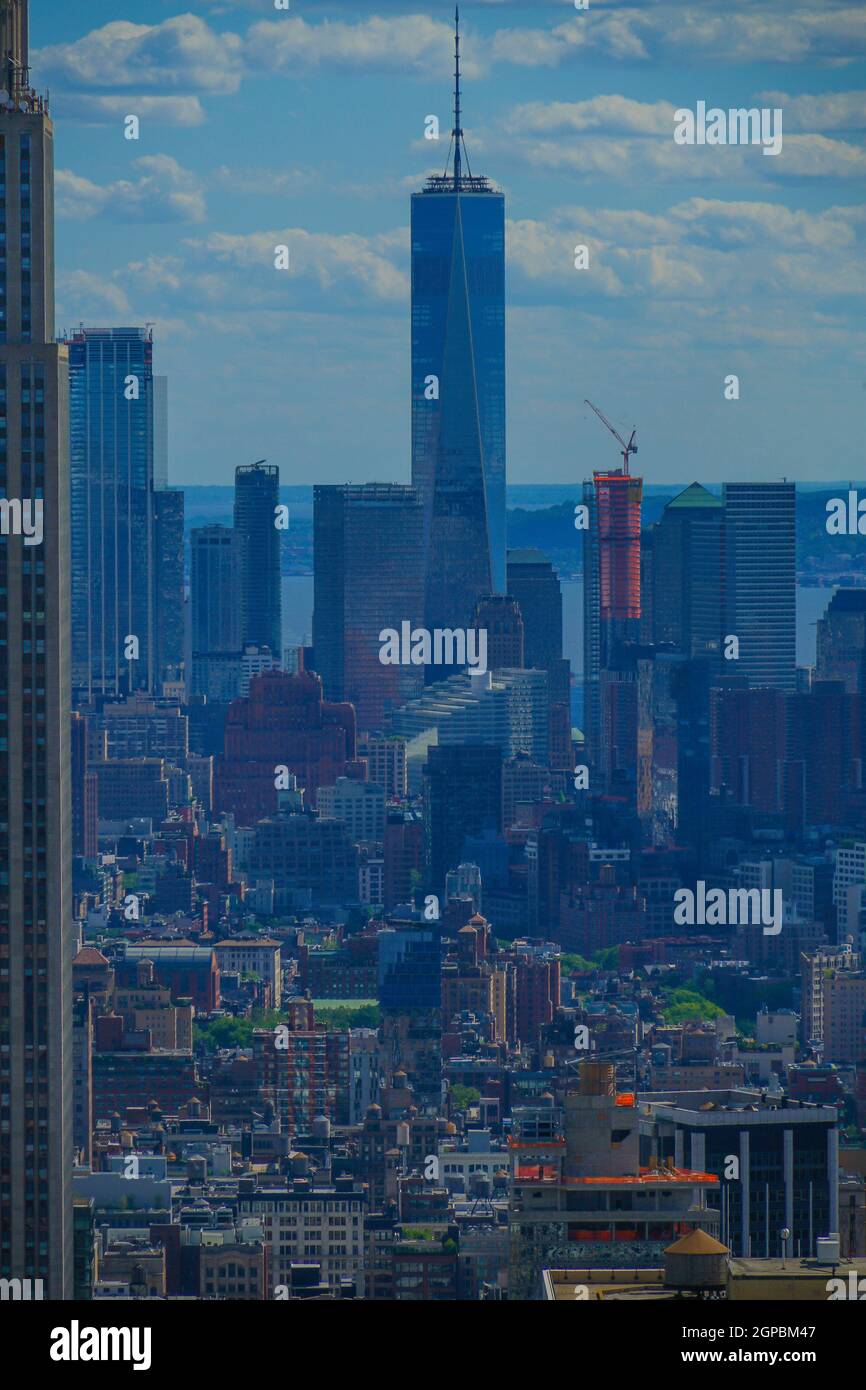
{"x":35,"y":810}
{"x":611,"y":586}
{"x":458,"y":382}
{"x":112,"y":501}
{"x":257,"y":495}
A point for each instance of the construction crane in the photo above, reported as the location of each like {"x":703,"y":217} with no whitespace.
{"x":629,"y":448}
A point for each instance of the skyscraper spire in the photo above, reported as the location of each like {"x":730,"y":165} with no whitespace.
{"x":457,"y":132}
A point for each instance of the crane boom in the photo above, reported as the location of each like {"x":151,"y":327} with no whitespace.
{"x":629,"y":448}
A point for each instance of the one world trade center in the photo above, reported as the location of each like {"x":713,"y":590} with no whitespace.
{"x":458,"y":382}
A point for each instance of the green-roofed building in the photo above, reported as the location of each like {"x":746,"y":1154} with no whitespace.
{"x":687,"y":548}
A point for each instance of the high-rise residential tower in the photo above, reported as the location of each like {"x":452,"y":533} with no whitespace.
{"x":257,"y":496}
{"x":111,"y":462}
{"x":458,"y":382}
{"x":35,"y":808}
{"x":368,"y":544}
{"x":761,"y":544}
{"x":611,"y":584}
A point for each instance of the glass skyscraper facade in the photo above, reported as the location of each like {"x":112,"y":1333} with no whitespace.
{"x":368,"y":577}
{"x":761,"y":584}
{"x":111,"y":462}
{"x":458,"y":387}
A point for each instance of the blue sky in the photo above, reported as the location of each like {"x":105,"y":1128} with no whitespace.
{"x":261,"y":126}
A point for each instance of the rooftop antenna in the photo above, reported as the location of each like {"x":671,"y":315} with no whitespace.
{"x":457,"y":132}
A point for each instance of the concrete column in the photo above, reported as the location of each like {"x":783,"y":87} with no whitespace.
{"x":833,"y":1180}
{"x":788,"y":1155}
{"x":698,"y":1152}
{"x":746,"y":1242}
{"x":679,"y":1149}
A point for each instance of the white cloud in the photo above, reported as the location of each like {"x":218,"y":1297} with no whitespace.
{"x":180,"y":53}
{"x":88,"y":109}
{"x":163,"y":192}
{"x":358,"y":267}
{"x":410,"y":43}
{"x":701,"y":249}
{"x":826,"y":111}
{"x":608,"y":113}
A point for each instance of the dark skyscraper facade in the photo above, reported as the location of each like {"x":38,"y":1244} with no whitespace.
{"x":458,"y":385}
{"x":842,"y":641}
{"x":35,"y":805}
{"x":688,"y":574}
{"x":257,"y":496}
{"x":111,"y":464}
{"x":368,"y":544}
{"x":214,"y":590}
{"x":535,"y":585}
{"x":462,"y":796}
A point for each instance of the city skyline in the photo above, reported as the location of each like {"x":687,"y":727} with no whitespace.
{"x":574,"y":124}
{"x":404,"y":898}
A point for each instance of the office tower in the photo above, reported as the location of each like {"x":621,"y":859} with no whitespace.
{"x":35,"y":811}
{"x":359,"y":805}
{"x":368,"y":560}
{"x":111,"y":469}
{"x":534,"y":583}
{"x":524,"y":781}
{"x":611,"y":585}
{"x":462,"y":796}
{"x":748,"y":745}
{"x":308,"y":860}
{"x":458,"y":383}
{"x":160,"y":433}
{"x":285,"y":722}
{"x":403,"y":853}
{"x":673,"y":746}
{"x":499,"y":616}
{"x":214,"y":591}
{"x":168,"y":585}
{"x":824,"y":752}
{"x":257,"y":496}
{"x":386,"y":763}
{"x":760,"y":524}
{"x":688,"y":574}
{"x":849,"y":887}
{"x":410,"y":1000}
{"x":842,"y":641}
